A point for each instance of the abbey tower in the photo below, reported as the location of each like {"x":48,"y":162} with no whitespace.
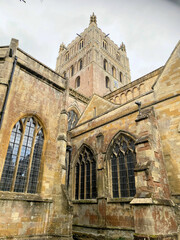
{"x":93,"y":62}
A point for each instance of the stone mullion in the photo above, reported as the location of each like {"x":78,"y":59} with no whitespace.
{"x":118,"y":175}
{"x":18,"y":156}
{"x":79,"y":193}
{"x":30,"y":158}
{"x":85,"y":168}
{"x":90,"y":179}
{"x":128,"y":187}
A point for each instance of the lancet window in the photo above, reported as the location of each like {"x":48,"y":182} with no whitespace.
{"x":85,"y":175}
{"x":23,"y":158}
{"x":122,"y":163}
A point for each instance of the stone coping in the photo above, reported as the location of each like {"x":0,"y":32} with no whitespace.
{"x":152,"y":201}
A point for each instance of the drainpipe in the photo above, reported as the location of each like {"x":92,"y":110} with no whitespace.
{"x":7,"y":92}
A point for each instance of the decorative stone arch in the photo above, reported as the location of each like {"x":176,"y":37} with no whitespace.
{"x":129,"y":95}
{"x":84,"y":174}
{"x":120,"y":162}
{"x":123,"y":98}
{"x":135,"y":92}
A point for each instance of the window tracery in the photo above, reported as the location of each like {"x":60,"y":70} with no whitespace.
{"x":85,"y":175}
{"x":72,"y":119}
{"x":122,"y":163}
{"x":22,"y":163}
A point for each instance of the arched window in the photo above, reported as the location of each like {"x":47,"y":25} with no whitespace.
{"x":77,"y":82}
{"x":22,"y":163}
{"x":80,"y":64}
{"x":105,"y":64}
{"x":122,"y":162}
{"x":85,"y":175}
{"x":107,"y":82}
{"x":113,"y":71}
{"x":81,"y":44}
{"x":72,"y":70}
{"x":120,"y":76}
{"x":104,"y":44}
{"x":72,"y":119}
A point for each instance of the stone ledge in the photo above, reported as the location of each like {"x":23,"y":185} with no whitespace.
{"x":152,"y":201}
{"x":14,"y":196}
{"x":120,"y":200}
{"x":84,"y":201}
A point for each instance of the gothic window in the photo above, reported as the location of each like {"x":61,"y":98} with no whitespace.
{"x":122,"y":162}
{"x":107,"y":82}
{"x":105,"y":64}
{"x":113,"y":71}
{"x":77,"y":82}
{"x":120,"y":76}
{"x":85,"y":175}
{"x":104,"y":44}
{"x":22,"y":163}
{"x":67,"y":56}
{"x":80,"y":64}
{"x":72,"y":70}
{"x":72,"y":119}
{"x":81,"y":44}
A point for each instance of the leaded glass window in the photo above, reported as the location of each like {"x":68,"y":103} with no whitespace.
{"x":122,"y":163}
{"x":22,"y":163}
{"x":85,"y":175}
{"x":72,"y":119}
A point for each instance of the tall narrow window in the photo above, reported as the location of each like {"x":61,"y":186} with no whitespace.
{"x":72,"y":70}
{"x":107,"y":82}
{"x":105,"y":64}
{"x":85,"y":175}
{"x":22,"y":164}
{"x":77,"y":82}
{"x":122,"y":162}
{"x":120,"y":76}
{"x":113,"y":71}
{"x":104,"y":44}
{"x":81,"y":44}
{"x":80,"y":64}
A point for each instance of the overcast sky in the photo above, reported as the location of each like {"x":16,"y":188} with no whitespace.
{"x":150,"y":29}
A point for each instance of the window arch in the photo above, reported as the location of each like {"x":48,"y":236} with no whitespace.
{"x":72,"y":119}
{"x":104,"y":44}
{"x":81,"y":44}
{"x":80,"y":64}
{"x":22,"y":163}
{"x":113,"y":71}
{"x":77,"y":82}
{"x":107,"y":82}
{"x":85,"y":175}
{"x":122,"y":159}
{"x":105,"y":64}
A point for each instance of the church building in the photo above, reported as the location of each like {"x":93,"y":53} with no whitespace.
{"x":86,"y":153}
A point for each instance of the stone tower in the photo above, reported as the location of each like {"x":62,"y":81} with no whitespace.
{"x":93,"y":62}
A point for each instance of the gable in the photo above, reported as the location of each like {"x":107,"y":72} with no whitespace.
{"x":96,"y":107}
